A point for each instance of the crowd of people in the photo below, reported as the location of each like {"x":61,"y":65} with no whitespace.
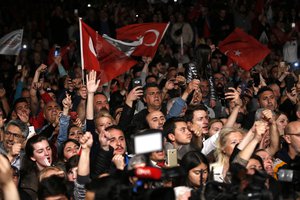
{"x":227,"y":133}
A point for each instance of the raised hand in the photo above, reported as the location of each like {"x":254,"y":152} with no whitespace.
{"x":23,"y":116}
{"x":2,"y":93}
{"x":119,"y":161}
{"x":78,"y":123}
{"x":86,"y":140}
{"x":196,"y":130}
{"x":268,"y":116}
{"x":146,"y":60}
{"x":260,"y":128}
{"x":42,"y":68}
{"x":134,"y":94}
{"x":67,"y":102}
{"x":292,"y":95}
{"x":234,"y":96}
{"x":15,"y":149}
{"x":91,"y":82}
{"x":104,"y":139}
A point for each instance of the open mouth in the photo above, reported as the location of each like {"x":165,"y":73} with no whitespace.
{"x":47,"y":161}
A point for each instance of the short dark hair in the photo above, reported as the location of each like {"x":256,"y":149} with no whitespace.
{"x":264,"y":89}
{"x":189,"y":114}
{"x":52,"y":186}
{"x":19,"y":100}
{"x":116,"y":127}
{"x":170,"y":125}
{"x":149,"y":85}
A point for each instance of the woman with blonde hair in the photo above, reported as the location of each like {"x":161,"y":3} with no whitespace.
{"x":228,"y":139}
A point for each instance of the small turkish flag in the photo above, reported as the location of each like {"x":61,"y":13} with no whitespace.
{"x":243,"y":49}
{"x":149,"y":35}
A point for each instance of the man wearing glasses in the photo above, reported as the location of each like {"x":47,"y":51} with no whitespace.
{"x":15,"y":134}
{"x":292,"y":138}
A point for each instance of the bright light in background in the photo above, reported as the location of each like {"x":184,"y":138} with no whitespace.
{"x":89,"y":5}
{"x":24,"y":46}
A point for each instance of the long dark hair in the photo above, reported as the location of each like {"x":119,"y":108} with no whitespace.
{"x":191,"y":160}
{"x":201,"y":60}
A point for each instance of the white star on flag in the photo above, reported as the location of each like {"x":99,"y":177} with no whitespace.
{"x":237,"y":53}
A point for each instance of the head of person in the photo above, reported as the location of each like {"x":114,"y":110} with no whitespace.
{"x":196,"y":166}
{"x":15,"y":131}
{"x":103,"y":120}
{"x":151,"y":79}
{"x":50,"y":171}
{"x":228,"y":139}
{"x":74,"y":132}
{"x":292,"y":137}
{"x":38,"y":150}
{"x":202,"y":55}
{"x":255,"y":163}
{"x":219,"y":81}
{"x":204,"y":86}
{"x":51,"y":110}
{"x":69,"y":148}
{"x":26,"y":94}
{"x":157,"y":156}
{"x":198,"y":115}
{"x":266,"y":98}
{"x":53,"y":187}
{"x":100,"y":102}
{"x":214,"y":126}
{"x":281,"y":121}
{"x":176,"y":131}
{"x":276,"y":90}
{"x":267,"y":160}
{"x":21,"y":105}
{"x":156,"y":120}
{"x":152,"y":96}
{"x":117,"y":139}
{"x":72,"y":168}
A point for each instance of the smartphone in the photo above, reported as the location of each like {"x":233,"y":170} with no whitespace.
{"x":136,"y":82}
{"x":228,"y":85}
{"x":290,"y":82}
{"x":172,"y":160}
{"x":256,"y":79}
{"x":148,"y":141}
{"x":31,"y":132}
{"x":57,"y":51}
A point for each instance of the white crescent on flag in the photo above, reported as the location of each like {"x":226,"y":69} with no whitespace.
{"x":91,"y":47}
{"x":156,"y":33}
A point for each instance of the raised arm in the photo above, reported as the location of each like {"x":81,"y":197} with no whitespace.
{"x":8,"y":187}
{"x":273,"y":131}
{"x":237,"y":104}
{"x":81,"y":108}
{"x":91,"y":86}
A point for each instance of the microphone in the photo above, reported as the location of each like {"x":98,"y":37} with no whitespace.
{"x":151,"y":173}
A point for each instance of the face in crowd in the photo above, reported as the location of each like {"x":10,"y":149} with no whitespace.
{"x":200,"y":118}
{"x":267,"y":100}
{"x":42,"y":154}
{"x":156,"y":120}
{"x":153,"y":98}
{"x":117,"y":141}
{"x":181,"y":134}
{"x":100,"y":102}
{"x":12,"y":136}
{"x":51,"y":110}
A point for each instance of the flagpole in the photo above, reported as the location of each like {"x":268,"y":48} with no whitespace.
{"x":81,"y":50}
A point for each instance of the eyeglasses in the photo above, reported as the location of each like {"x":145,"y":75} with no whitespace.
{"x":18,"y":136}
{"x":296,"y":134}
